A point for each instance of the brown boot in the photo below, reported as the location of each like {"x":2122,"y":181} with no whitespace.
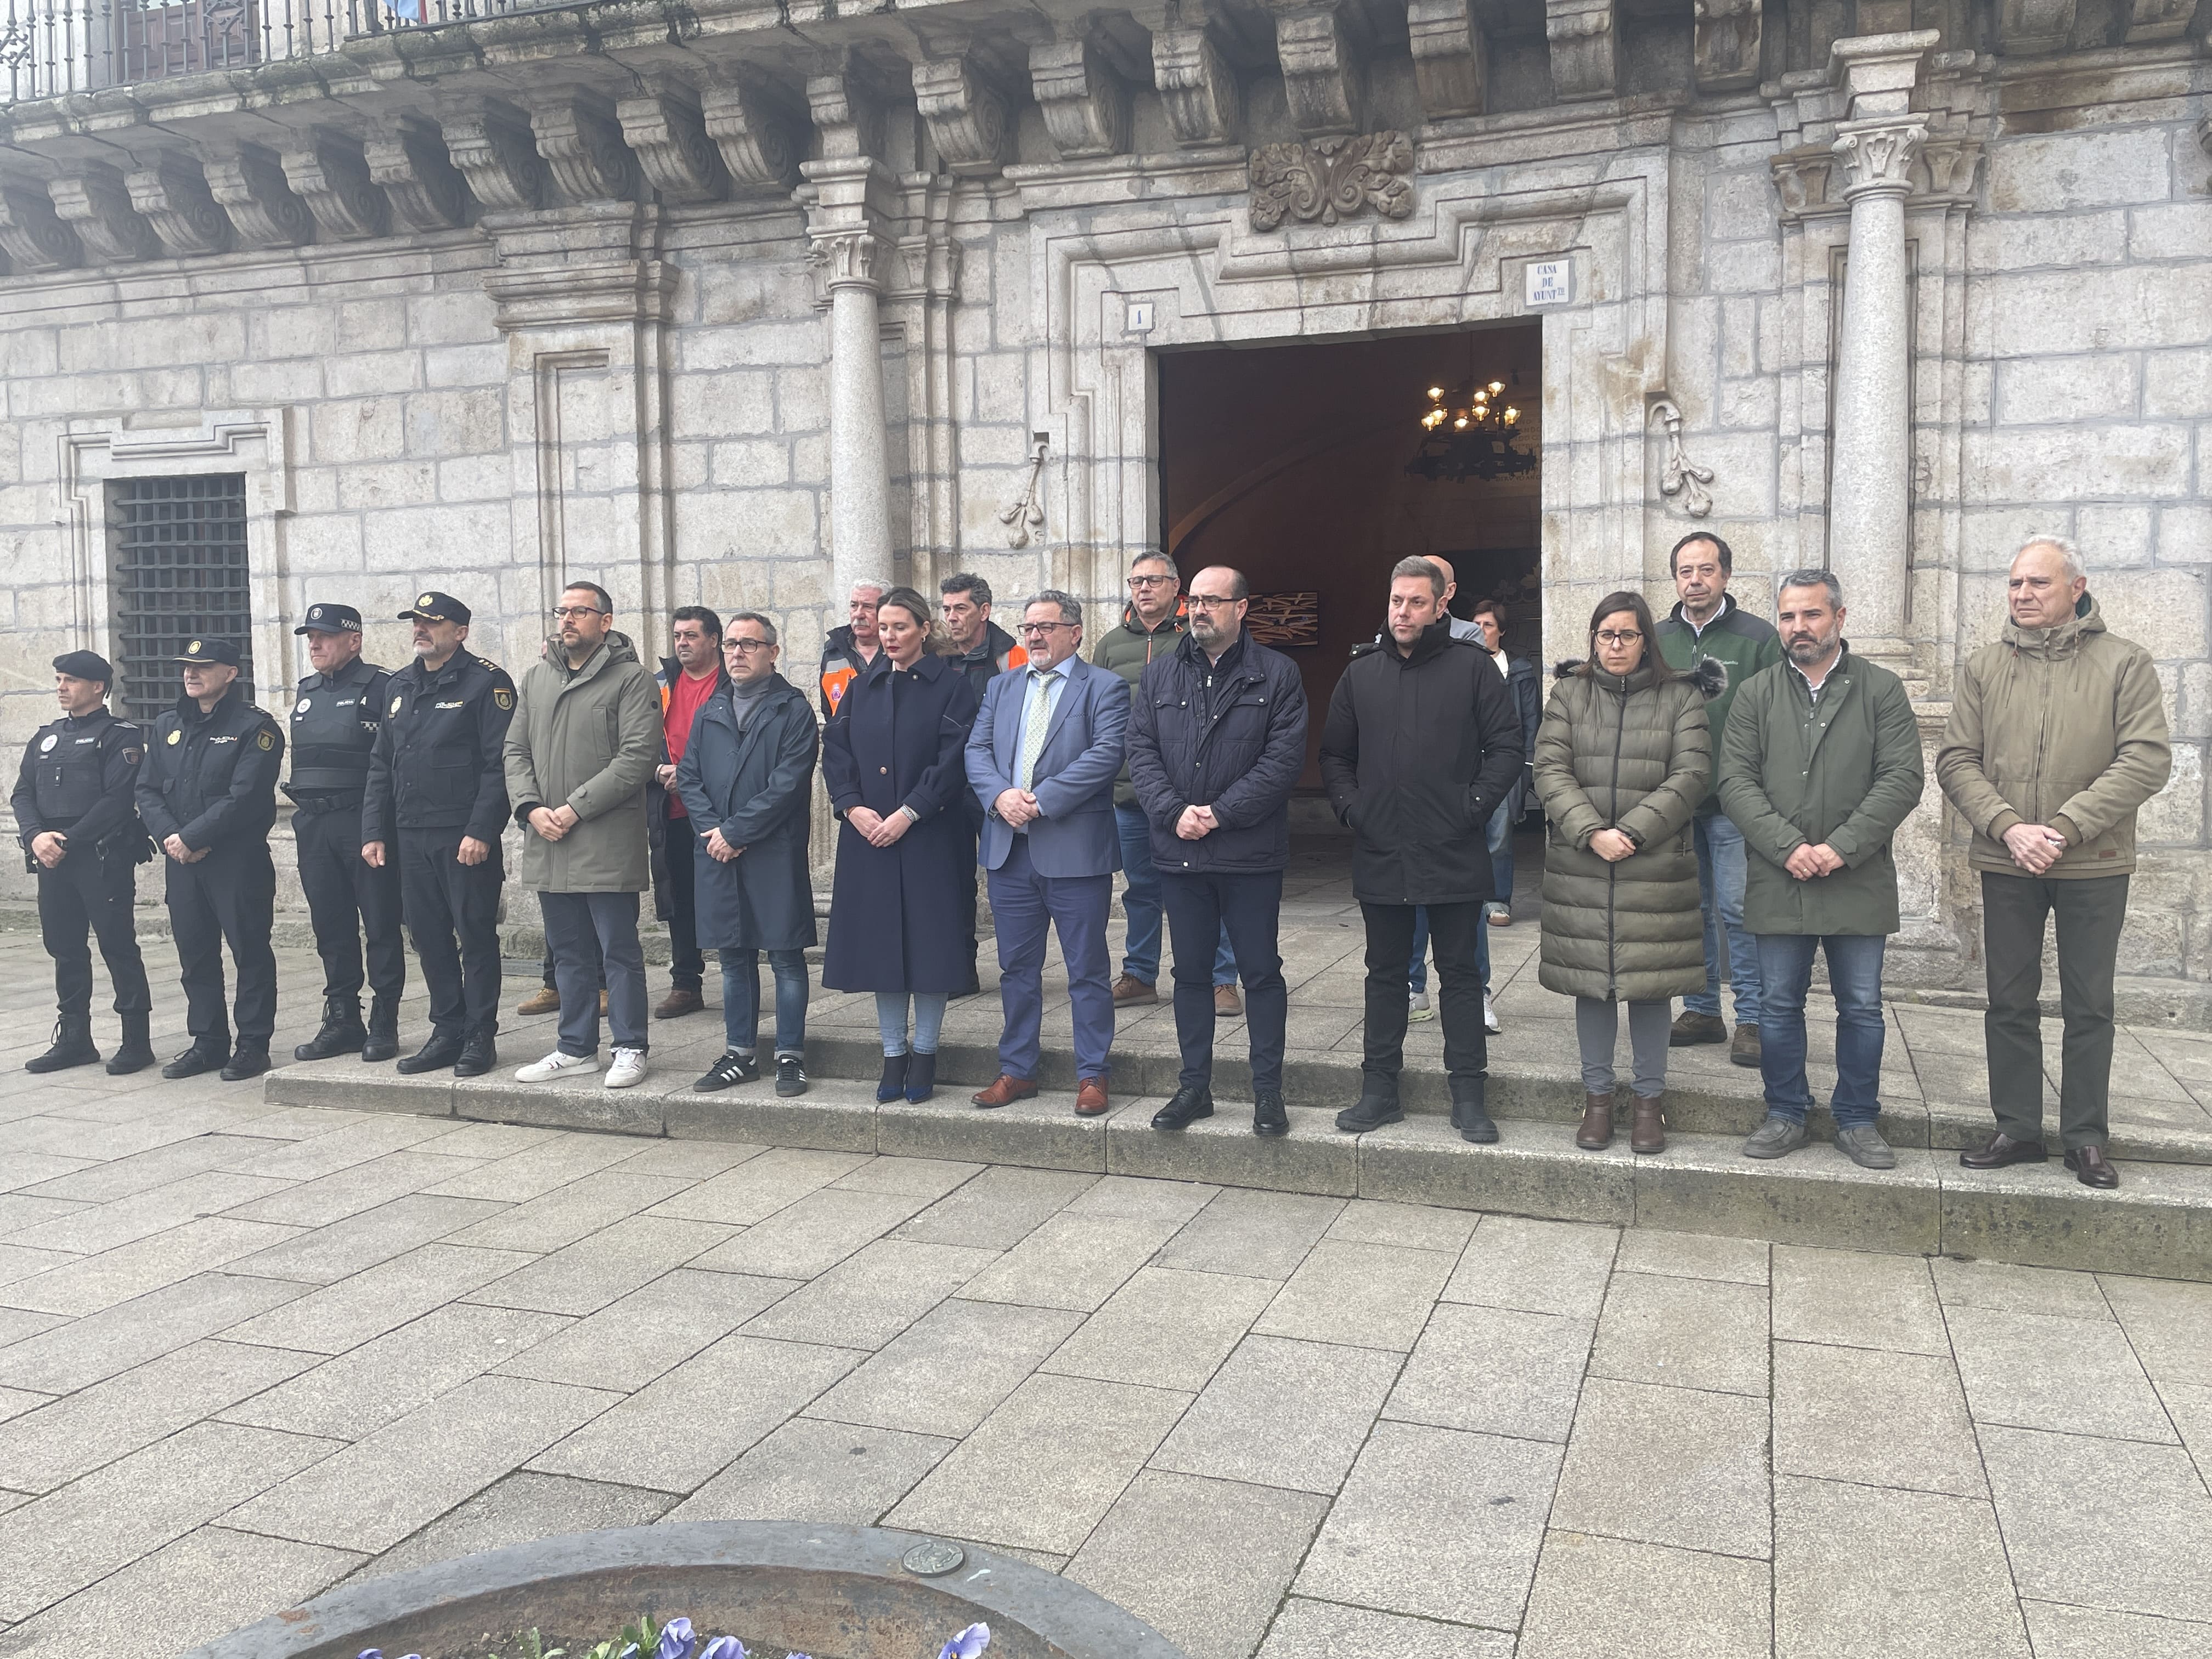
{"x":1596,"y":1132}
{"x":1130,"y":991}
{"x":680,"y":1000}
{"x":1647,"y":1132}
{"x":544,"y":1000}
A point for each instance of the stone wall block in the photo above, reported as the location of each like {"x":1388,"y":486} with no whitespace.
{"x":2175,"y":230}
{"x":2163,"y":609}
{"x":2060,"y":171}
{"x":2184,"y":533}
{"x":340,"y":432}
{"x":734,"y":403}
{"x":2175,"y":816}
{"x":2045,"y":391}
{"x":1198,"y":88}
{"x":2076,"y":463}
{"x":2116,"y":536}
{"x":1998,"y":244}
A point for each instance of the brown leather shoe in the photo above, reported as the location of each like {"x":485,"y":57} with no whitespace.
{"x":681,"y":1001}
{"x":1225,"y":1005}
{"x":1597,"y":1131}
{"x":1130,"y":991}
{"x":2090,"y":1167}
{"x":1005,"y":1092}
{"x":2002,"y":1150}
{"x":1647,"y":1129}
{"x":1090,"y":1098}
{"x":1743,"y":1050}
{"x":544,"y":1001}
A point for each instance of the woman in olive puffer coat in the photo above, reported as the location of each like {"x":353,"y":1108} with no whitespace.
{"x":1622,"y":760}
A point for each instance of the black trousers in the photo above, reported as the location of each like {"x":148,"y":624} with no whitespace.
{"x":2088,"y":913}
{"x":446,"y":901}
{"x":85,"y":892}
{"x":686,"y":969}
{"x":228,"y":897}
{"x":1199,"y":906}
{"x":349,"y":901}
{"x":1454,"y":932}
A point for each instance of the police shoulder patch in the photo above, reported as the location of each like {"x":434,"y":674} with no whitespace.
{"x":504,"y":698}
{"x":177,"y":736}
{"x":50,"y":740}
{"x":130,"y":758}
{"x":267,"y":739}
{"x":394,"y":710}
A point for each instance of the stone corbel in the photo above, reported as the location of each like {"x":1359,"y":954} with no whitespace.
{"x":1580,"y":33}
{"x":329,"y":172}
{"x":846,"y":111}
{"x":1324,"y":72}
{"x":492,"y":147}
{"x":1197,"y":87}
{"x":967,"y":119}
{"x":1801,"y":177}
{"x":1451,"y":60}
{"x":1678,"y":474}
{"x":666,"y":130}
{"x":2031,"y":28}
{"x":2153,"y":21}
{"x":583,"y":150}
{"x":94,"y":202}
{"x":32,"y":235}
{"x":173,"y":196}
{"x":1086,"y":103}
{"x":1951,"y":163}
{"x":408,"y":162}
{"x":758,"y":139}
{"x":252,"y":190}
{"x":1724,"y":44}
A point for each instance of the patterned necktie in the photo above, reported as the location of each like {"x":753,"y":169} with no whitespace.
{"x":1043,"y":683}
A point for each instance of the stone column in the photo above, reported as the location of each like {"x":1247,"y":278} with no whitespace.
{"x":1871,"y":466}
{"x":859,"y":460}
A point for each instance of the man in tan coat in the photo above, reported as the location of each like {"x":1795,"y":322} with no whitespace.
{"x":2057,"y":735}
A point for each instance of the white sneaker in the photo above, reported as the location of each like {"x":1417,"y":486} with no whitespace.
{"x":1417,"y":1007}
{"x":1489,"y":1017}
{"x":628,"y":1067}
{"x":557,"y":1063}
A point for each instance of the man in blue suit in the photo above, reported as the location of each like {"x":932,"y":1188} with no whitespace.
{"x":1043,"y":758}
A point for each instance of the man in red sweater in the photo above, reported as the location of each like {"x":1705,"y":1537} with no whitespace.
{"x":687,"y":679}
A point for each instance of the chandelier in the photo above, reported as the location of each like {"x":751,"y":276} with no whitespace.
{"x":1469,"y":432}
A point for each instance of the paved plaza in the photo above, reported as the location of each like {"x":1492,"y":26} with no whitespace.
{"x":248,"y":1353}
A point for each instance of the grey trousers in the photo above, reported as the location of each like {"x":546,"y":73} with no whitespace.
{"x":2088,"y":913}
{"x":1597,"y":1030}
{"x":573,"y":922}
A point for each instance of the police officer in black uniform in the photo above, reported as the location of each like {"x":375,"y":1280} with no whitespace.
{"x":81,"y":833}
{"x":208,"y":794}
{"x":436,"y":804}
{"x":334,"y":726}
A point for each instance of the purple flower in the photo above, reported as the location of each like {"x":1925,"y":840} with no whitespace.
{"x":969,"y":1643}
{"x":676,"y":1640}
{"x":725,"y":1647}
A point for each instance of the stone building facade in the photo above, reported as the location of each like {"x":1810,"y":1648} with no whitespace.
{"x":727,"y":303}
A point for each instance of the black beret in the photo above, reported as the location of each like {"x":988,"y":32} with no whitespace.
{"x":85,"y":665}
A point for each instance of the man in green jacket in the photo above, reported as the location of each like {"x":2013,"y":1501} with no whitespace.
{"x":578,"y":754}
{"x":1819,"y":763}
{"x":2057,"y":735}
{"x":1707,"y":625}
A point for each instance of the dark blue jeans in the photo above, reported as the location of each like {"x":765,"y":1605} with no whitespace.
{"x":1785,"y":969}
{"x":741,"y":1000}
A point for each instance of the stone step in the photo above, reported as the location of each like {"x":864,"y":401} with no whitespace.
{"x":2158,"y":1223}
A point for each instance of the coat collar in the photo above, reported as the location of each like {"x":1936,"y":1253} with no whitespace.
{"x":1435,"y":638}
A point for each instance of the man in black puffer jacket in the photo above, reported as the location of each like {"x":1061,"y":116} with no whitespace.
{"x":1421,"y":744}
{"x":1216,"y":741}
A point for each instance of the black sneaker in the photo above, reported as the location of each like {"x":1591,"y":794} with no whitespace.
{"x":732,"y":1068}
{"x":790,"y":1075}
{"x":1375,"y":1109}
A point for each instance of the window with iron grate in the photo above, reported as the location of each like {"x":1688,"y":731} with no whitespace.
{"x":180,"y":574}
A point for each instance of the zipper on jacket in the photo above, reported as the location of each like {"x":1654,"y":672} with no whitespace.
{"x":1612,"y":867}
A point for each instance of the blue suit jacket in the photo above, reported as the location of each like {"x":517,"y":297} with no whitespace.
{"x":1075,"y":775}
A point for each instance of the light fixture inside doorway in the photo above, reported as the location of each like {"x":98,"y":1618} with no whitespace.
{"x":1470,"y":431}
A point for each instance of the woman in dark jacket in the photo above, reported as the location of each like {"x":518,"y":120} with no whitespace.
{"x":894,"y":763}
{"x":747,"y":781}
{"x":1622,"y":760}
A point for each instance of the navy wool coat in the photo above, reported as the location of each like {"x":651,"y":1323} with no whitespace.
{"x":896,"y":919}
{"x":757,"y":788}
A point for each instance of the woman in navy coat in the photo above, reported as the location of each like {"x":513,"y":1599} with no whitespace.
{"x":893,"y":763}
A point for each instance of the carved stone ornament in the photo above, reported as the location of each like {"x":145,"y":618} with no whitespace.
{"x":1332,"y":178}
{"x":1324,"y":74}
{"x":1801,"y":177}
{"x":95,"y":204}
{"x":584,"y":154}
{"x":1205,"y":106}
{"x":846,"y":111}
{"x":2153,"y":21}
{"x":408,"y":162}
{"x":492,"y":148}
{"x":1581,"y":35}
{"x":967,"y":118}
{"x":666,"y":130}
{"x":852,"y":259}
{"x":1724,"y":44}
{"x":253,"y":190}
{"x":1678,"y":474}
{"x":1878,"y":156}
{"x":1086,"y":103}
{"x":172,"y":197}
{"x":1951,"y":163}
{"x":1023,"y":516}
{"x":33,"y":236}
{"x":2030,"y":27}
{"x":329,"y":172}
{"x":760,"y":145}
{"x":1451,"y":68}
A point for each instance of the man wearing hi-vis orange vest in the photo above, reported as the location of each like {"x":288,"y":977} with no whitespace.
{"x":851,"y":648}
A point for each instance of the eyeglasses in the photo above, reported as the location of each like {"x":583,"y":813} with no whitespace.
{"x":751,"y":645}
{"x":562,"y":612}
{"x":1040,"y":630}
{"x":1611,"y":636}
{"x":1210,"y":602}
{"x":1151,"y":581}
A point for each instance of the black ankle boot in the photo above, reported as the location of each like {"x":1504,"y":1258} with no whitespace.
{"x":921,"y":1078}
{"x":892,"y":1083}
{"x":72,"y":1046}
{"x":137,"y":1053}
{"x":479,"y":1054}
{"x":382,"y":1040}
{"x":342,"y":1031}
{"x":1468,"y":1115}
{"x":247,"y":1060}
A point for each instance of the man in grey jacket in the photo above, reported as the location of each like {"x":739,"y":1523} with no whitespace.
{"x":578,"y":755}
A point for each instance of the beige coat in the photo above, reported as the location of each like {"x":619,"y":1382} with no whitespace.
{"x":589,"y":739}
{"x":2058,"y":726}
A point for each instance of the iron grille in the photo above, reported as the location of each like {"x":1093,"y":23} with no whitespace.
{"x":180,"y":574}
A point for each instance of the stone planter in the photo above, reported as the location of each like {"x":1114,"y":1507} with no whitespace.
{"x":833,"y":1592}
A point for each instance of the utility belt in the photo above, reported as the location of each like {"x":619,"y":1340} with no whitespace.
{"x":316,"y":805}
{"x":131,"y":846}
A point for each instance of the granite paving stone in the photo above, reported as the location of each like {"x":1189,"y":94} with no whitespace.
{"x":1410,"y":1226}
{"x":345,"y":1147}
{"x":2010,"y":1288}
{"x":342,"y":1316}
{"x":2190,"y":1406}
{"x":2037,"y":1371}
{"x":688,"y":1160}
{"x":2169,"y":1323}
{"x":1436,"y":1523}
{"x":1536,"y":1266}
{"x":1203,"y":1561}
{"x":57,"y":1361}
{"x":1253,"y":1234}
{"x":817,"y":1470}
{"x":1881,"y":1418}
{"x":1692,"y":1255}
{"x":122,"y":1221}
{"x":756,"y":1189}
{"x":1682,"y":1467}
{"x":557,"y":1219}
{"x":1375,"y":1296}
{"x":323,"y":1255}
{"x":949,"y":1369}
{"x":14,"y":1402}
{"x":1491,"y":1370}
{"x":871,"y":1296}
{"x":926,"y":1178}
{"x":520,"y":1508}
{"x":996,"y":1210}
{"x":359,"y":1186}
{"x":1071,"y":1261}
{"x":813,"y":1235}
{"x":24,"y":1171}
{"x":1610,"y":1598}
{"x":21,"y":1216}
{"x":1143,"y":1198}
{"x":1856,"y":1298}
{"x":1683,"y":1333}
{"x":1307,"y":1629}
{"x":89,"y":1283}
{"x":546,"y":1166}
{"x":2058,"y":1632}
{"x":584,"y":1277}
{"x":657,"y":1326}
{"x":21,"y":1262}
{"x":1165,"y":1328}
{"x":1283,"y":1414}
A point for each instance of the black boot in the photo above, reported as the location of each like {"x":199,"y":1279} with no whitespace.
{"x":206,"y":1054}
{"x":921,"y":1078}
{"x":382,"y":1040}
{"x":342,"y":1031}
{"x":137,"y":1053}
{"x":72,"y":1046}
{"x":247,"y":1060}
{"x":439,"y":1052}
{"x":479,"y":1054}
{"x":1468,"y":1115}
{"x":1377,"y":1105}
{"x":892,"y":1084}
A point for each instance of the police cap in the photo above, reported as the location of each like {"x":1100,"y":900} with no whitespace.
{"x":331,"y":619}
{"x":431,"y":605}
{"x":210,"y":651}
{"x":85,"y":665}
